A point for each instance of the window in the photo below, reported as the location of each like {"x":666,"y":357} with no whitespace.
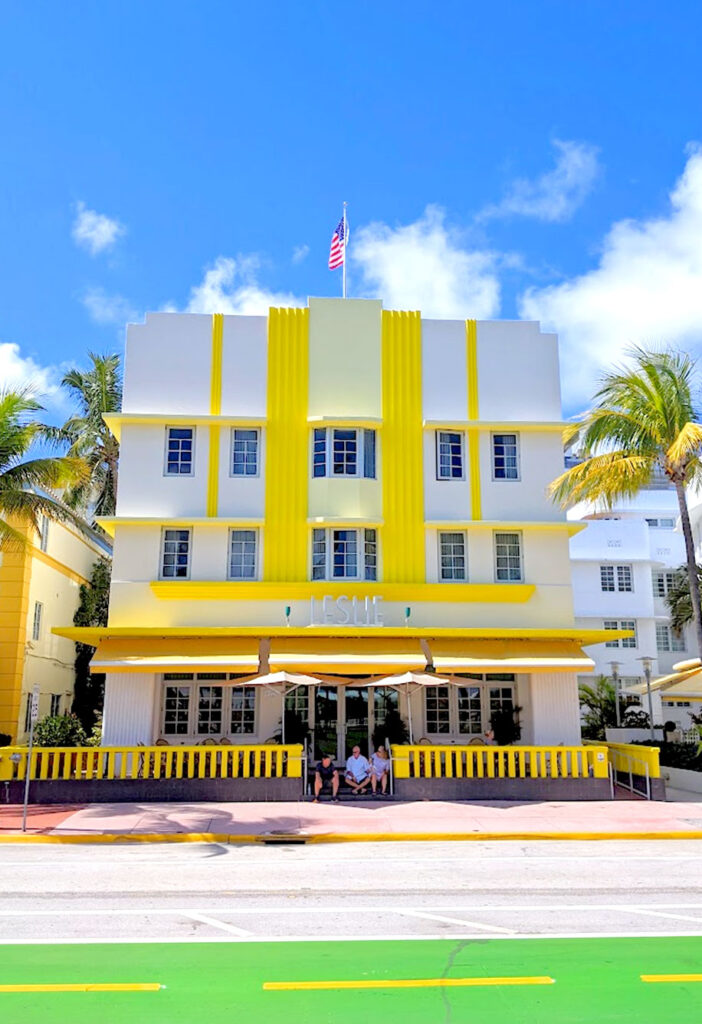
{"x":343,"y":451}
{"x":627,"y":641}
{"x":449,"y":455}
{"x":470,"y":718}
{"x":243,"y":709}
{"x":452,"y":556}
{"x":508,"y":557}
{"x":36,"y":622}
{"x":662,"y":524}
{"x":344,"y":555}
{"x":242,"y":555}
{"x":43,"y":533}
{"x":501,"y":698}
{"x":176,"y":709}
{"x":55,"y":704}
{"x":437,"y":709}
{"x":505,"y":458}
{"x":245,"y":452}
{"x":179,"y":451}
{"x":175,"y":559}
{"x":663,"y":582}
{"x":667,"y":640}
{"x":209,"y":707}
{"x":616,"y":577}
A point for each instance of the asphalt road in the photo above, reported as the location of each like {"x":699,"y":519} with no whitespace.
{"x":356,"y":891}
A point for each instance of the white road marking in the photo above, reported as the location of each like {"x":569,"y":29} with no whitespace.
{"x":453,"y":920}
{"x":660,"y":913}
{"x":222,"y":925}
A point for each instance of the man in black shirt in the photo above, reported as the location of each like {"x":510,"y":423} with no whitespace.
{"x":326,"y":773}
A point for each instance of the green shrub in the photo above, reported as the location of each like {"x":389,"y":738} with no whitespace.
{"x":59,"y":731}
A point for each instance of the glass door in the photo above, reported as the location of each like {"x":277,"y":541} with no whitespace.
{"x":356,"y":719}
{"x":326,"y":721}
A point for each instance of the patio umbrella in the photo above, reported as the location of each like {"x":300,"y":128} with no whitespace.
{"x":686,"y":678}
{"x":286,"y":681}
{"x":410,"y":682}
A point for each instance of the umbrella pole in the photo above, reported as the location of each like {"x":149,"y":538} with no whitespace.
{"x":409,"y":714}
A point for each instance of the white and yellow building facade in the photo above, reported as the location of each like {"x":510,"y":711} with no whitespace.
{"x":39,"y":589}
{"x":348,"y":492}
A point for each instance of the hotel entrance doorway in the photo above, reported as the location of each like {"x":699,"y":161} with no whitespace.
{"x":346,"y":715}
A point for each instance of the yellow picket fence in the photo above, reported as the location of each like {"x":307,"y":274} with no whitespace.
{"x":157,"y":762}
{"x":483,"y":762}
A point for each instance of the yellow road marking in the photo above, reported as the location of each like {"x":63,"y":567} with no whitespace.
{"x":85,"y":987}
{"x":671,"y":977}
{"x":285,"y":986}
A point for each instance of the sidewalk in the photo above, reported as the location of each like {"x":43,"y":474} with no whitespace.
{"x":247,"y":822}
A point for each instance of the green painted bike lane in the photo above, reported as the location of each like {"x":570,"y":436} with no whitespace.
{"x":595,"y":980}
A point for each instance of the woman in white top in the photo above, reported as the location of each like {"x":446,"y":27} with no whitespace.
{"x":380,"y":770}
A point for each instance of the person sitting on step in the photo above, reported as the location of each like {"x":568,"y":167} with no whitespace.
{"x":326,"y":774}
{"x":380,"y":770}
{"x":358,"y":774}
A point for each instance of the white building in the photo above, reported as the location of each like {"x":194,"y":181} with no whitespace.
{"x":622,"y":569}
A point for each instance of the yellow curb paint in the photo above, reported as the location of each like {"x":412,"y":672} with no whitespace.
{"x":671,"y":977}
{"x":307,"y":986}
{"x":85,"y":987}
{"x":346,"y":837}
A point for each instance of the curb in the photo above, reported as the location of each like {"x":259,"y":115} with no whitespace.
{"x":342,"y":837}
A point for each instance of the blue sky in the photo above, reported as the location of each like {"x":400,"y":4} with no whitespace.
{"x":508,"y":159}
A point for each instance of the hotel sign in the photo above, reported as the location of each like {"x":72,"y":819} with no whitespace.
{"x":346,"y":611}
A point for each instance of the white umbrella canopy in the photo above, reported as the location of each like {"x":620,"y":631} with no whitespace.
{"x":287,"y":681}
{"x":411,"y":682}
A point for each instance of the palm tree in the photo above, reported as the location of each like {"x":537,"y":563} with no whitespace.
{"x":26,"y":484}
{"x":679,"y":600}
{"x":95,"y":391}
{"x":598,"y":702}
{"x":643,"y":418}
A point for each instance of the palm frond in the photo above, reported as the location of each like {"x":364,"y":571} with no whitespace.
{"x":603,"y":478}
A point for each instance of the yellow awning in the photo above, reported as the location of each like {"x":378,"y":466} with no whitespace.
{"x":356,"y":655}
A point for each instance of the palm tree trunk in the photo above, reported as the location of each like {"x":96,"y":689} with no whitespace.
{"x":691,"y":564}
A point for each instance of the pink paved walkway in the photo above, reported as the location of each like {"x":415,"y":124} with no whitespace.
{"x":632,"y":817}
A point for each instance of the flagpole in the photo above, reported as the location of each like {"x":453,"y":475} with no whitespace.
{"x":343,"y":269}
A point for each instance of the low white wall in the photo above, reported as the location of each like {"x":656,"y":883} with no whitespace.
{"x":683,"y":778}
{"x":632,"y":735}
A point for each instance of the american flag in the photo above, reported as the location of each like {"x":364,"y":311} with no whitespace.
{"x":338,"y":246}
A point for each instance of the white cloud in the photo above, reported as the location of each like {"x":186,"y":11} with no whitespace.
{"x":231,"y":286}
{"x":426,"y":266}
{"x":104,"y":308}
{"x":94,"y":231}
{"x":18,"y":371}
{"x":647,"y":289}
{"x":555,"y":195}
{"x":300,"y":253}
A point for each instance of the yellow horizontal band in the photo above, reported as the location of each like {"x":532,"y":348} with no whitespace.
{"x":86,"y":987}
{"x":233,"y":590}
{"x":671,"y":977}
{"x":288,"y":986}
{"x":554,"y":426}
{"x":109,"y":523}
{"x":505,"y":526}
{"x":116,"y":420}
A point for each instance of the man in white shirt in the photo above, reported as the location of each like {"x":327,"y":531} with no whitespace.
{"x":358,"y":775}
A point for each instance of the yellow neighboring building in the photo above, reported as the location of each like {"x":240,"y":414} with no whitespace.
{"x":40,"y":589}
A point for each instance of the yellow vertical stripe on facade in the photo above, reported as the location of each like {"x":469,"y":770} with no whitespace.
{"x":215,"y":410}
{"x":473,"y":414}
{"x":15,"y":575}
{"x":287,"y":446}
{"x":403,"y":557}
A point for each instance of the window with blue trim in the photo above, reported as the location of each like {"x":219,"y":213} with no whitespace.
{"x":179,"y":451}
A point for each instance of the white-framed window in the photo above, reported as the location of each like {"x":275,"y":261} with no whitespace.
{"x":626,"y":641}
{"x":180,"y":447}
{"x":452,"y":557}
{"x":505,"y":457}
{"x":616,"y":578}
{"x":37,"y":620}
{"x":508,"y":558}
{"x":55,"y":704}
{"x":344,"y":451}
{"x":663,"y":582}
{"x":450,"y":456}
{"x":210,"y":703}
{"x":470,"y":710}
{"x":175,"y":554}
{"x":176,"y":705}
{"x":437,"y":709}
{"x":245,"y":451}
{"x":43,"y":533}
{"x":344,"y":554}
{"x":667,"y":639}
{"x":243,"y":554}
{"x":665,"y":523}
{"x":243,"y":710}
